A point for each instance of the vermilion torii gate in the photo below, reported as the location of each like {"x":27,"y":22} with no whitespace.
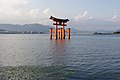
{"x":59,"y":33}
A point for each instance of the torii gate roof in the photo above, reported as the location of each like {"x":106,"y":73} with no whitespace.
{"x":58,"y":20}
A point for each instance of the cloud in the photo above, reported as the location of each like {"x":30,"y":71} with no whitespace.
{"x":84,"y":14}
{"x":37,"y":16}
{"x":91,"y":17}
{"x":114,"y":16}
{"x":14,"y":11}
{"x":21,"y":12}
{"x":34,"y":12}
{"x":81,"y":16}
{"x":46,"y":11}
{"x":11,"y":7}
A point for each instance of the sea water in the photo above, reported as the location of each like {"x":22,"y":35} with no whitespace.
{"x":36,"y":57}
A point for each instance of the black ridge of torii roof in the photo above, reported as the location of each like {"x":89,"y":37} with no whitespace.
{"x":58,"y":20}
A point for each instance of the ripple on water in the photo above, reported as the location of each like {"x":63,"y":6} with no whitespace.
{"x":35,"y":57}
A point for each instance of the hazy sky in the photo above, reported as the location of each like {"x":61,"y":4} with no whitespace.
{"x":83,"y":14}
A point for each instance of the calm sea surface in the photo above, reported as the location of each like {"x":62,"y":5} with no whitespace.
{"x":35,"y":57}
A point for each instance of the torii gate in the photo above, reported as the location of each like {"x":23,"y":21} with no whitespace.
{"x":59,"y":33}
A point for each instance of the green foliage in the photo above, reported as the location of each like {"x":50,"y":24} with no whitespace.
{"x":118,"y":32}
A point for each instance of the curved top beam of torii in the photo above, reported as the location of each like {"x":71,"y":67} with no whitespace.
{"x":58,"y":20}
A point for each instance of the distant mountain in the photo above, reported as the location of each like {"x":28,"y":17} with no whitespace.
{"x":103,"y":31}
{"x":116,"y":31}
{"x":2,"y":30}
{"x":96,"y":24}
{"x":26,"y":27}
{"x":74,"y":30}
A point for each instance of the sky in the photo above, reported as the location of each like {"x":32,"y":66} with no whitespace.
{"x":83,"y":14}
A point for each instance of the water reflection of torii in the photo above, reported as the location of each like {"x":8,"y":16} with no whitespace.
{"x":59,"y":33}
{"x":59,"y":52}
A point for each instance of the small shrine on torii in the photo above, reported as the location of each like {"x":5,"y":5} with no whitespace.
{"x":60,"y":31}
